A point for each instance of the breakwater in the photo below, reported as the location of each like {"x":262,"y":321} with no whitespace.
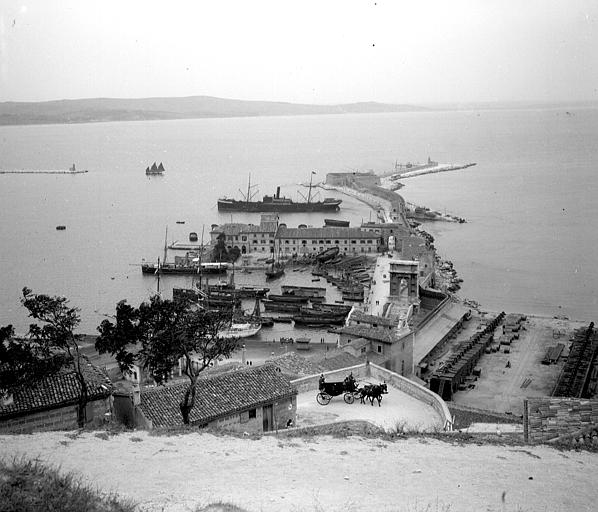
{"x":40,"y":171}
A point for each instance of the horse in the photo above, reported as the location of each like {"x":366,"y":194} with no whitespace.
{"x":373,"y":392}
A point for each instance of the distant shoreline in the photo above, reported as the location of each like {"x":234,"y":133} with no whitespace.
{"x":105,"y":110}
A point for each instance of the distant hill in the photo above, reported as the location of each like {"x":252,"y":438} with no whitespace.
{"x":192,"y":107}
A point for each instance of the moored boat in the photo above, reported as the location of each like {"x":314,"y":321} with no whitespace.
{"x":288,"y":298}
{"x":236,"y":330}
{"x":276,"y":203}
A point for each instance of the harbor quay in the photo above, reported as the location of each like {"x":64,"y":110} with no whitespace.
{"x":311,"y":306}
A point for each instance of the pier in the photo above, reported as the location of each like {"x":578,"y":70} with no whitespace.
{"x":40,"y":171}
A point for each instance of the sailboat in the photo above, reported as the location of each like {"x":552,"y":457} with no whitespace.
{"x":276,"y":270}
{"x":154,"y":169}
{"x":240,"y":329}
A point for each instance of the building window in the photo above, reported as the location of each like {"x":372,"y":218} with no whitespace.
{"x":244,"y":238}
{"x":379,"y":349}
{"x":369,"y":241}
{"x":252,"y":414}
{"x":328,"y":242}
{"x":353,"y":241}
{"x":286,"y":242}
{"x":363,"y":350}
{"x":314,"y":242}
{"x":304,"y":242}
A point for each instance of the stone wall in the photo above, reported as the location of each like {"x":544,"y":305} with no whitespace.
{"x":415,"y":390}
{"x":62,"y":418}
{"x":282,"y":411}
{"x":549,"y":418}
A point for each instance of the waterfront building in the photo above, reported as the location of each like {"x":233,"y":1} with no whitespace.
{"x":394,"y":347}
{"x":248,"y":238}
{"x":305,"y":241}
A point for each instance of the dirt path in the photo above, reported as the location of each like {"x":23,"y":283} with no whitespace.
{"x":177,"y":473}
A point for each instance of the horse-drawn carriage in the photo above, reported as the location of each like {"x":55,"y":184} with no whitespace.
{"x":327,"y":390}
{"x":350,"y":391}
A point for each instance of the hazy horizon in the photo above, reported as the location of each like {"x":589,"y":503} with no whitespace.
{"x":310,"y":52}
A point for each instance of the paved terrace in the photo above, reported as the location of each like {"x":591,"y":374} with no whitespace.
{"x":398,"y":409}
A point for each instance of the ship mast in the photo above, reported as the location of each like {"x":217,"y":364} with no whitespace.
{"x":165,"y":244}
{"x":310,"y":181}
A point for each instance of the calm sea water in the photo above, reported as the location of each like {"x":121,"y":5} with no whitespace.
{"x":529,"y":244}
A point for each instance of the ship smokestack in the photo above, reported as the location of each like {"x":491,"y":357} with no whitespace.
{"x":277,"y":192}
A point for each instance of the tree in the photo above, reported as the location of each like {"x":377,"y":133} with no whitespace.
{"x":23,"y":362}
{"x":160,"y":333}
{"x":56,"y":337}
{"x":46,"y":349}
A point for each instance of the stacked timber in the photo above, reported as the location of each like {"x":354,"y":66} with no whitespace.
{"x":446,"y":380}
{"x":575,"y":377}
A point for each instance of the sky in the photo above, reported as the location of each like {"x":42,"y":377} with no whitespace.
{"x":301,"y":51}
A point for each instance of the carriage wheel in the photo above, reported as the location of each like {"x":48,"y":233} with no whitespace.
{"x":349,"y":398}
{"x":323,"y":398}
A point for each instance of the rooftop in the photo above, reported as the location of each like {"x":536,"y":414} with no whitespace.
{"x":369,"y":333}
{"x":327,"y":232}
{"x":217,"y":396}
{"x":57,"y":390}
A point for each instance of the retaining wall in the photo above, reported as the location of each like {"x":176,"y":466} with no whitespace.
{"x":415,"y":390}
{"x":549,"y":418}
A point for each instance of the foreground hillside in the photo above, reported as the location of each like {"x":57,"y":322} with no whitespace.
{"x":178,"y":473}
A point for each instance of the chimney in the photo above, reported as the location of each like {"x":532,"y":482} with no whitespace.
{"x":277,"y":192}
{"x":136,"y":394}
{"x":6,"y":398}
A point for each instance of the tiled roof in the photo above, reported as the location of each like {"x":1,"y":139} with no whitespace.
{"x":217,"y":396}
{"x":238,"y":228}
{"x":325,"y":233}
{"x":364,"y":331}
{"x":294,"y":365}
{"x":58,"y":390}
{"x":358,"y":316}
{"x":340,"y":360}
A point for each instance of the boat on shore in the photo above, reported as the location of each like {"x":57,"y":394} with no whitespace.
{"x":276,"y":203}
{"x":336,"y":223}
{"x":327,"y":255}
{"x":302,"y":343}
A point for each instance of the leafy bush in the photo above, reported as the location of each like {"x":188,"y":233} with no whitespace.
{"x":30,"y":486}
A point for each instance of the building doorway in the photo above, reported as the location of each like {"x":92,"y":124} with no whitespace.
{"x":267,"y":418}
